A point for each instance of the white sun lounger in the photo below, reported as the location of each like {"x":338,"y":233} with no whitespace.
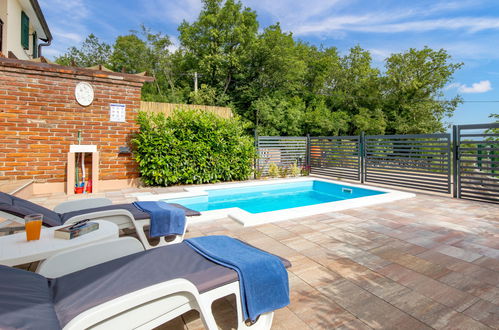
{"x":93,"y":289}
{"x":126,"y":216}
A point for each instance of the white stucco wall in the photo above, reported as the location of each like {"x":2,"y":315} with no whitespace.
{"x":12,"y":31}
{"x":3,"y":17}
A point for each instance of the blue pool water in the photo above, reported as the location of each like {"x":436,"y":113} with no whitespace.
{"x":273,"y":197}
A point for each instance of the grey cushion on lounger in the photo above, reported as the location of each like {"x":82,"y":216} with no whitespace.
{"x":25,"y":301}
{"x":137,"y":214}
{"x":30,"y":301}
{"x":21,"y":207}
{"x":79,"y":291}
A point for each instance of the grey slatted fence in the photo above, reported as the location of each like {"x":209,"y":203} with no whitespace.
{"x":336,"y":156}
{"x":420,"y":161}
{"x":283,"y":151}
{"x":477,"y":162}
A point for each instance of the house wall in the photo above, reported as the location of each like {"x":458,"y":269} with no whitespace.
{"x":40,"y":119}
{"x":3,"y":17}
{"x":12,"y":30}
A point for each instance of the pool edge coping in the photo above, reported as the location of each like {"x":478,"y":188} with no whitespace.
{"x":251,"y":219}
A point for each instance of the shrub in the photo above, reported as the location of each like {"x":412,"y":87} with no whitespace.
{"x":283,"y":171}
{"x":273,"y":170}
{"x":191,"y":147}
{"x":295,"y":170}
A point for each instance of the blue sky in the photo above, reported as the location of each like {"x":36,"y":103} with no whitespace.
{"x":467,"y":29}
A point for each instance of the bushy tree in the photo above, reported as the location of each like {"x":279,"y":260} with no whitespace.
{"x":321,"y":121}
{"x":217,"y":43}
{"x":130,"y":54}
{"x":279,"y":84}
{"x":413,"y":86}
{"x":92,"y":52}
{"x":495,"y":117}
{"x":273,"y":65}
{"x":369,"y":121}
{"x":277,"y":115}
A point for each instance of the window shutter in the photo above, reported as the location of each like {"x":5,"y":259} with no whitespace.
{"x":35,"y":45}
{"x":24,"y":30}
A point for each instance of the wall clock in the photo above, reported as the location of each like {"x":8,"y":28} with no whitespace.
{"x":84,"y":93}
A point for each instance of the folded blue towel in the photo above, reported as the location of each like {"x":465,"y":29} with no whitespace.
{"x":165,"y":219}
{"x":262,"y":276}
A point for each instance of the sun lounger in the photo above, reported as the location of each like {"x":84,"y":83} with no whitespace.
{"x":126,"y":216}
{"x":136,"y":290}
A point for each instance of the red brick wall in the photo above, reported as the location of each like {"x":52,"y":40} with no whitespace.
{"x":40,"y":118}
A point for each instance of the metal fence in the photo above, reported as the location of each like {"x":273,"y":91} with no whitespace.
{"x":337,"y":156}
{"x":468,"y":165}
{"x":421,"y":161}
{"x":476,"y":162}
{"x":283,"y":151}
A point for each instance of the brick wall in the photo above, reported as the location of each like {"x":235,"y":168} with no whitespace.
{"x":40,"y":118}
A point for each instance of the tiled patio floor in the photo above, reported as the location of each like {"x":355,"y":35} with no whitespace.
{"x":421,"y":263}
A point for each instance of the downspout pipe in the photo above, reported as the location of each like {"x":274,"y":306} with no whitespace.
{"x":46,"y":43}
{"x":38,"y":11}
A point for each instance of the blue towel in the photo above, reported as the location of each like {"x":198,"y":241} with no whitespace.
{"x":165,"y":219}
{"x":262,"y":276}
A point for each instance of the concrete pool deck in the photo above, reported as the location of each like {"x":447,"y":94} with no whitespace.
{"x":419,"y":263}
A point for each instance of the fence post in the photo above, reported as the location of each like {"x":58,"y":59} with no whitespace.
{"x":256,"y":165}
{"x":362,"y":156}
{"x":307,"y":154}
{"x":455,"y":160}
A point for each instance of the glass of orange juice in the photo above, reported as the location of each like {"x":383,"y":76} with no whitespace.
{"x":33,"y":224}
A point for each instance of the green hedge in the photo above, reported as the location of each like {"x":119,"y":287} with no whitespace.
{"x":192,"y":147}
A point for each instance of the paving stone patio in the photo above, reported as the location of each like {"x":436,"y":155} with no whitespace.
{"x":420,"y":263}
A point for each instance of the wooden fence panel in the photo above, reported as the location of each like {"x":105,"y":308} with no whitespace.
{"x":169,"y":108}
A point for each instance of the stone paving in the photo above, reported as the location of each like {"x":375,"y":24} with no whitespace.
{"x":420,"y":263}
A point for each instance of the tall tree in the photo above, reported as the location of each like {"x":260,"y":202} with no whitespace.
{"x":273,"y":66}
{"x":92,"y":52}
{"x":413,"y":88}
{"x":217,"y":42}
{"x":278,"y":115}
{"x":354,"y":88}
{"x":279,"y":84}
{"x":130,"y":54}
{"x":495,"y":117}
{"x":322,"y":70}
{"x":147,"y":51}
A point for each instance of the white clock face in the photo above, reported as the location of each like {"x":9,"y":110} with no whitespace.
{"x":84,"y":93}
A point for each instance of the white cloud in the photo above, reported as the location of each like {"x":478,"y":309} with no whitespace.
{"x":336,"y":17}
{"x":384,"y":23}
{"x":335,"y":23}
{"x":173,"y":11}
{"x":479,"y":87}
{"x":68,"y":36}
{"x":470,"y":24}
{"x":452,"y":86}
{"x":77,"y":8}
{"x":175,"y":44}
{"x":379,"y":54}
{"x":293,"y":11}
{"x":67,"y":20}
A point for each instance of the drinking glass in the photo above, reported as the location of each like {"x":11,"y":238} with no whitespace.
{"x":33,"y":224}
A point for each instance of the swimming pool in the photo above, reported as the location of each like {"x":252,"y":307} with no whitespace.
{"x":266,"y":198}
{"x":258,"y":202}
